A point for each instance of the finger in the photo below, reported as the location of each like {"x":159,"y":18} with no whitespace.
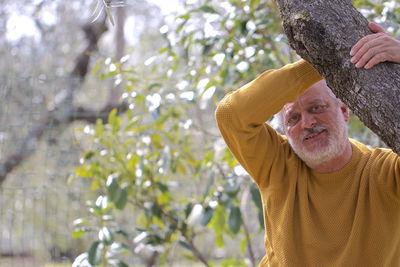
{"x":368,"y":55}
{"x":357,"y":46}
{"x":361,"y":43}
{"x":375,"y":60}
{"x":364,"y":45}
{"x":375,"y":27}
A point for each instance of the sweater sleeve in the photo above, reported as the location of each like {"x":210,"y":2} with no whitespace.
{"x":386,"y":170}
{"x":241,"y":115}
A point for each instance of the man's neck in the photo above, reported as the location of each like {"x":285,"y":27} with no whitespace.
{"x":336,"y":163}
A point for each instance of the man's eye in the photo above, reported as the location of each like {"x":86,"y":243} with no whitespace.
{"x":318,"y":108}
{"x":293,"y":119}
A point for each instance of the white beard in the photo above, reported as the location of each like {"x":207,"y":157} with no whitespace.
{"x":337,"y":141}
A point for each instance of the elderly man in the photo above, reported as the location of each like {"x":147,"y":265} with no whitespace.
{"x":328,"y":200}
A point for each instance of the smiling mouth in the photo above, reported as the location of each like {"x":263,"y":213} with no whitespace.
{"x":314,"y":135}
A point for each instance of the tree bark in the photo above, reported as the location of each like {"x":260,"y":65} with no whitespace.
{"x":323,"y":33}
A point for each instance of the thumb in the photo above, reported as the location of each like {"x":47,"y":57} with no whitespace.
{"x":375,"y":27}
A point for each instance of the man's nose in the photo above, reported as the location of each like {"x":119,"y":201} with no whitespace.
{"x":308,"y":120}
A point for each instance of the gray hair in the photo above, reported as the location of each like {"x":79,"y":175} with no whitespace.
{"x":279,"y":116}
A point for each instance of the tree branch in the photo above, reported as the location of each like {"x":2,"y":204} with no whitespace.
{"x":28,"y":145}
{"x":196,"y":252}
{"x":64,"y":112}
{"x":323,"y":32}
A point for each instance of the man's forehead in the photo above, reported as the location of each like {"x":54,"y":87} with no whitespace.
{"x":313,"y":95}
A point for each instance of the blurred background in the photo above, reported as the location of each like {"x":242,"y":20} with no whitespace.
{"x":109,"y":152}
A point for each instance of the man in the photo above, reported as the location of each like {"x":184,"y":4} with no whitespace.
{"x":328,"y":200}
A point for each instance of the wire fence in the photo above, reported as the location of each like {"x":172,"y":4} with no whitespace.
{"x":37,"y":208}
{"x":36,"y":222}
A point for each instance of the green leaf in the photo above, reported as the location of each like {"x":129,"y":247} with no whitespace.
{"x":96,"y":67}
{"x":163,"y":188}
{"x":84,"y":171}
{"x":106,"y":236}
{"x":180,"y":26}
{"x":208,"y":9}
{"x":96,"y":183}
{"x":109,"y":74}
{"x":78,"y":233}
{"x":122,"y":232}
{"x":207,"y":215}
{"x":102,"y":202}
{"x":133,"y":161}
{"x":94,"y":253}
{"x":80,"y":221}
{"x":208,"y":157}
{"x":164,"y":198}
{"x":229,"y":158}
{"x":218,"y":224}
{"x":156,"y":211}
{"x":81,"y":259}
{"x":180,"y":167}
{"x":235,"y":219}
{"x":206,"y":49}
{"x":163,"y":50}
{"x":157,"y":141}
{"x":188,"y":209}
{"x":255,"y":195}
{"x":122,"y":199}
{"x":113,"y":188}
{"x":232,"y":189}
{"x":196,"y":214}
{"x":89,"y":154}
{"x":153,"y":85}
{"x":140,"y":99}
{"x":114,"y":121}
{"x":99,"y":128}
{"x":132,"y":124}
{"x":185,"y":16}
{"x":254,"y":3}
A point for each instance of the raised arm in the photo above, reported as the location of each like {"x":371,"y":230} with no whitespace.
{"x":241,"y":115}
{"x":375,"y":48}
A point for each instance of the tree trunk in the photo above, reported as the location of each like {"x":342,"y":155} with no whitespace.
{"x":323,"y":32}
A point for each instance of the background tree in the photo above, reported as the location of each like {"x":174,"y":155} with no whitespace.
{"x":40,"y":46}
{"x":164,"y":186}
{"x":209,"y":52}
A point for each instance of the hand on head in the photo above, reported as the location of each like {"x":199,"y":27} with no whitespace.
{"x":375,"y":48}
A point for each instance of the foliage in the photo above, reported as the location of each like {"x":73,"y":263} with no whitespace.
{"x":160,"y":172}
{"x":139,"y":163}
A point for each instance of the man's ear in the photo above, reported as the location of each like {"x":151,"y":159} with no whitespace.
{"x":345,"y":110}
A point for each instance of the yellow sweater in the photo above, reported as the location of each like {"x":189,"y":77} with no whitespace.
{"x":350,"y":217}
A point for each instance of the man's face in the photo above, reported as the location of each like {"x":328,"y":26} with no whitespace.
{"x":315,"y":125}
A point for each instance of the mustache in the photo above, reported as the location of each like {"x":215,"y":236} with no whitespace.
{"x":313,"y":130}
